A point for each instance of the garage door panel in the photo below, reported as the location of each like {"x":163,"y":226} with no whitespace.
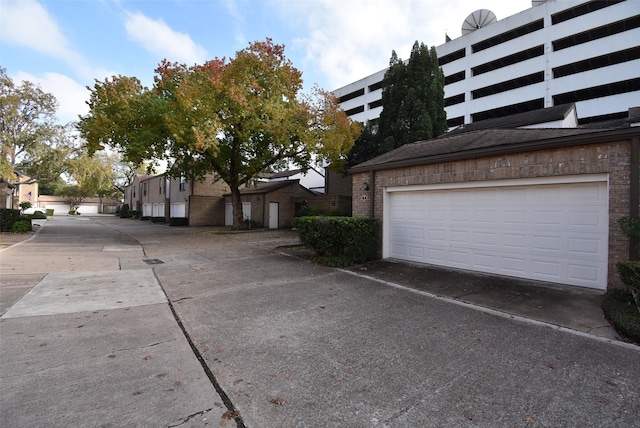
{"x":555,"y":232}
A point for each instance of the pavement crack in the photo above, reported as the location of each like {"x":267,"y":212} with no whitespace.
{"x":196,"y":352}
{"x":188,"y":418}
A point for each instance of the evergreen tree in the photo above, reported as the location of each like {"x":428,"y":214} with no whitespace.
{"x":412,"y":99}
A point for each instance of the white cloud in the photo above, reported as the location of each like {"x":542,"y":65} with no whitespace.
{"x":28,"y":24}
{"x":71,"y":95}
{"x":160,"y":39}
{"x":349,"y":40}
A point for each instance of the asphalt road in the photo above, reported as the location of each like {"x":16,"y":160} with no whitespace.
{"x":117,"y":322}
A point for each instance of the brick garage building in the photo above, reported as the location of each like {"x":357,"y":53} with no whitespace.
{"x":271,"y":205}
{"x":539,"y":204}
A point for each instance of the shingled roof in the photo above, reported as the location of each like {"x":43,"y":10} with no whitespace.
{"x":545,"y":115}
{"x":489,"y":142}
{"x":262,"y":187}
{"x":504,"y":135}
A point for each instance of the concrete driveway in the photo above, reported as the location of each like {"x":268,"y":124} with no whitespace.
{"x":286,"y":343}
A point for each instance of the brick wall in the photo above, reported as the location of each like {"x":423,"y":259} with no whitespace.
{"x":206,"y":210}
{"x":611,"y":158}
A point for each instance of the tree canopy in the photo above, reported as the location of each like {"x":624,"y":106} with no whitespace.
{"x":412,"y":105}
{"x":28,"y":129}
{"x":233,"y":118}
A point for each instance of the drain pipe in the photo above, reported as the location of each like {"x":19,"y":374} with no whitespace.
{"x":372,"y":195}
{"x":634,"y":198}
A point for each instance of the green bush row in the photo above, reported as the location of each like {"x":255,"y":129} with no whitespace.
{"x":621,"y":310}
{"x":22,"y":226}
{"x":178,"y":221}
{"x":7,"y":218}
{"x":339,"y":241}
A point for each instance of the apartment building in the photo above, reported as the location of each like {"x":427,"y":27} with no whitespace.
{"x":556,"y":52}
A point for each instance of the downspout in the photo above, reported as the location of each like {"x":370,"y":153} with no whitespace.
{"x":634,"y":197}
{"x":372,"y":187}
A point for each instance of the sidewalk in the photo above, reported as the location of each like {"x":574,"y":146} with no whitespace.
{"x":88,"y":344}
{"x":288,"y":343}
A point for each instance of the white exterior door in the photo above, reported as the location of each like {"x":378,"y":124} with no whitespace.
{"x":228,"y":213}
{"x":550,"y":230}
{"x":273,"y":215}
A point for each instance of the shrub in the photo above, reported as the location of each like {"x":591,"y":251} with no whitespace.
{"x":21,"y":226}
{"x":630,"y":225}
{"x":339,"y":241}
{"x":630,"y":275}
{"x":134,"y":214}
{"x":8,"y":218}
{"x":620,"y":309}
{"x":178,"y":221}
{"x":251,"y":224}
{"x":313,"y":212}
{"x":124,"y":211}
{"x":49,"y":212}
{"x":38,"y":215}
{"x":25,"y":205}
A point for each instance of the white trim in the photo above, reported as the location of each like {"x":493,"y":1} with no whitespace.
{"x":564,"y":179}
{"x":538,"y":181}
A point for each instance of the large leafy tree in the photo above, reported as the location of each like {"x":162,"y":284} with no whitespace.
{"x":28,"y":129}
{"x":233,"y":118}
{"x":90,"y":176}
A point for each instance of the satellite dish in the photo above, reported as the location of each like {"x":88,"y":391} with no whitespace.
{"x":478,"y":19}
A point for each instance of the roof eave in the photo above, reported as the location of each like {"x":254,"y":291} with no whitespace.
{"x":551,"y":143}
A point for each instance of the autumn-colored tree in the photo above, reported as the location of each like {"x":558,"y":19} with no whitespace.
{"x":232,"y":118}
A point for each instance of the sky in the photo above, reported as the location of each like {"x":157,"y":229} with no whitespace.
{"x":66,"y":45}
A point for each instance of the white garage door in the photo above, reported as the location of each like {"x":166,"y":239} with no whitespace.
{"x":88,"y":209}
{"x":536,"y":229}
{"x":179,"y":210}
{"x":58,"y":209}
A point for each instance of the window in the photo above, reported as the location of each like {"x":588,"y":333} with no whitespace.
{"x":612,"y":58}
{"x":183,"y":183}
{"x":523,"y":107}
{"x":597,"y":33}
{"x":354,"y":110}
{"x":508,"y":60}
{"x":508,"y":35}
{"x":352,"y":95}
{"x":613,"y":88}
{"x":445,"y":59}
{"x":144,"y":189}
{"x":456,"y":77}
{"x":375,"y":86}
{"x":582,"y":9}
{"x":160,"y":186}
{"x":509,"y":85}
{"x":456,"y":99}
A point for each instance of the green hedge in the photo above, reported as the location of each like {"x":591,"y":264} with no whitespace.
{"x":339,"y":241}
{"x":7,"y":218}
{"x":22,"y":226}
{"x":620,"y":309}
{"x":178,"y":221}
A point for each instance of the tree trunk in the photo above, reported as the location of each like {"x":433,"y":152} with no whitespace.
{"x":238,"y":216}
